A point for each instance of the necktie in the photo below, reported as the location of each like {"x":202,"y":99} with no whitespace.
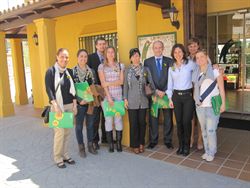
{"x":158,"y":66}
{"x":102,"y":59}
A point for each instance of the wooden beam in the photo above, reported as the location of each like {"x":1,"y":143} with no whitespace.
{"x":70,"y":9}
{"x":16,"y":36}
{"x":23,"y":9}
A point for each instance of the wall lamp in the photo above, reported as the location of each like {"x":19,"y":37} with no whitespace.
{"x":35,"y":38}
{"x":173,"y":14}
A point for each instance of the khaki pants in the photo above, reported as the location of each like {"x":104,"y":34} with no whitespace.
{"x":61,"y":139}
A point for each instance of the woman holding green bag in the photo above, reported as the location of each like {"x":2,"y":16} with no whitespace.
{"x":61,"y":93}
{"x":136,"y":78}
{"x":111,"y":77}
{"x":83,"y":74}
{"x":208,"y":83}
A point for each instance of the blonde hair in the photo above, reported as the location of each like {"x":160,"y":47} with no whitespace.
{"x":105,"y":55}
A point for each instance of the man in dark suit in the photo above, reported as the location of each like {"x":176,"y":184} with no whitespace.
{"x":158,"y":66}
{"x":94,"y":60}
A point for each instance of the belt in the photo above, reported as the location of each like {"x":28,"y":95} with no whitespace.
{"x":183,"y":92}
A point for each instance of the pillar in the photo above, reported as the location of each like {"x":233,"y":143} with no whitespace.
{"x":19,"y":73}
{"x":6,"y":105}
{"x":46,"y":54}
{"x":127,"y":39}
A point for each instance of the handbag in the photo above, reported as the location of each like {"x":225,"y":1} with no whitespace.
{"x":148,"y":90}
{"x":47,"y":109}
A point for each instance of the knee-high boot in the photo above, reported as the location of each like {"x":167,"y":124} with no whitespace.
{"x":109,"y":135}
{"x":119,"y":141}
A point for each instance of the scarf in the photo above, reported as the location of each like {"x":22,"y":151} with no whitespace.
{"x":72,"y":90}
{"x":198,"y":78}
{"x":137,"y":72}
{"x":83,"y":75}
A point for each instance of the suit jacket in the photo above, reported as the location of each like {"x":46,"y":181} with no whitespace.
{"x":162,"y":82}
{"x":93,"y":63}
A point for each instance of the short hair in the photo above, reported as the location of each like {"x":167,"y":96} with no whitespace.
{"x":181,"y":46}
{"x":80,"y":51}
{"x":133,"y":51}
{"x":194,"y":40}
{"x":99,"y":39}
{"x":61,"y":50}
{"x":158,"y":41}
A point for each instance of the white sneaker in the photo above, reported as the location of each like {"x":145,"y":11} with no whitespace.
{"x":209,"y":158}
{"x":204,"y":156}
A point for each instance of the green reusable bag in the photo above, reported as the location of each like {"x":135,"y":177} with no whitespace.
{"x":64,"y":121}
{"x":117,"y":109}
{"x":154,"y":110}
{"x":216,"y":104}
{"x":158,"y":103}
{"x":163,"y":102}
{"x":83,"y":91}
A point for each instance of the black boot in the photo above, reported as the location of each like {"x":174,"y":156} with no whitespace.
{"x":119,"y":141}
{"x":109,"y":135}
{"x":91,"y":148}
{"x":82,"y":152}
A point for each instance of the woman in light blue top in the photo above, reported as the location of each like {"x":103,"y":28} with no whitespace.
{"x":180,"y":95}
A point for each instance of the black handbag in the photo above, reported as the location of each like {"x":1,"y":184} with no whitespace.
{"x":45,"y":114}
{"x":47,"y":109}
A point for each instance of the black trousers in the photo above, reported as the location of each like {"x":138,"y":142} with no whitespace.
{"x":167,"y":126}
{"x":183,"y":109}
{"x":99,"y":116}
{"x":137,"y":122}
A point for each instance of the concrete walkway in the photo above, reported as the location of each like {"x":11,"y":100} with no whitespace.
{"x":26,"y":162}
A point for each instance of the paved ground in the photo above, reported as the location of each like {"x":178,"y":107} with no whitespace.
{"x":26,"y":161}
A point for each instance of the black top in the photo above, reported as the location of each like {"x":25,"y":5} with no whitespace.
{"x":162,"y":82}
{"x":65,"y":86}
{"x":93,"y":63}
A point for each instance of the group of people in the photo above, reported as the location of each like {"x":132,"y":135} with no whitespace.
{"x":181,"y":78}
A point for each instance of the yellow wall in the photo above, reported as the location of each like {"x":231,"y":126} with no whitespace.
{"x":100,"y":20}
{"x":150,"y":21}
{"x":226,"y":5}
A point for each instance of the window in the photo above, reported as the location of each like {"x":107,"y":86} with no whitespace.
{"x":89,"y":42}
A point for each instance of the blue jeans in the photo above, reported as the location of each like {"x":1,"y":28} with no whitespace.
{"x":209,"y":123}
{"x":81,"y":114}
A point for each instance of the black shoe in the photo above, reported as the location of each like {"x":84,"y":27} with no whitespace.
{"x":104,"y":141}
{"x":169,"y":145}
{"x":179,"y":151}
{"x":91,"y":149}
{"x":69,"y":161}
{"x":151,"y":146}
{"x":96,"y":145}
{"x":61,"y":165}
{"x":185,"y":152}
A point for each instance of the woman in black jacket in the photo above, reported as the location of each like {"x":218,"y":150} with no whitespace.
{"x":61,"y":92}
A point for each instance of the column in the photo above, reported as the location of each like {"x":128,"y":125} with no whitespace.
{"x":6,"y":105}
{"x":19,"y":73}
{"x":127,"y":39}
{"x":47,"y":52}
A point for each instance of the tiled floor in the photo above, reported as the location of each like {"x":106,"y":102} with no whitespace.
{"x":238,"y":100}
{"x":232,"y":158}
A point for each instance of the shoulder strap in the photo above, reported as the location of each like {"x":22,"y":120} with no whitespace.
{"x":208,"y":91}
{"x":59,"y":83}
